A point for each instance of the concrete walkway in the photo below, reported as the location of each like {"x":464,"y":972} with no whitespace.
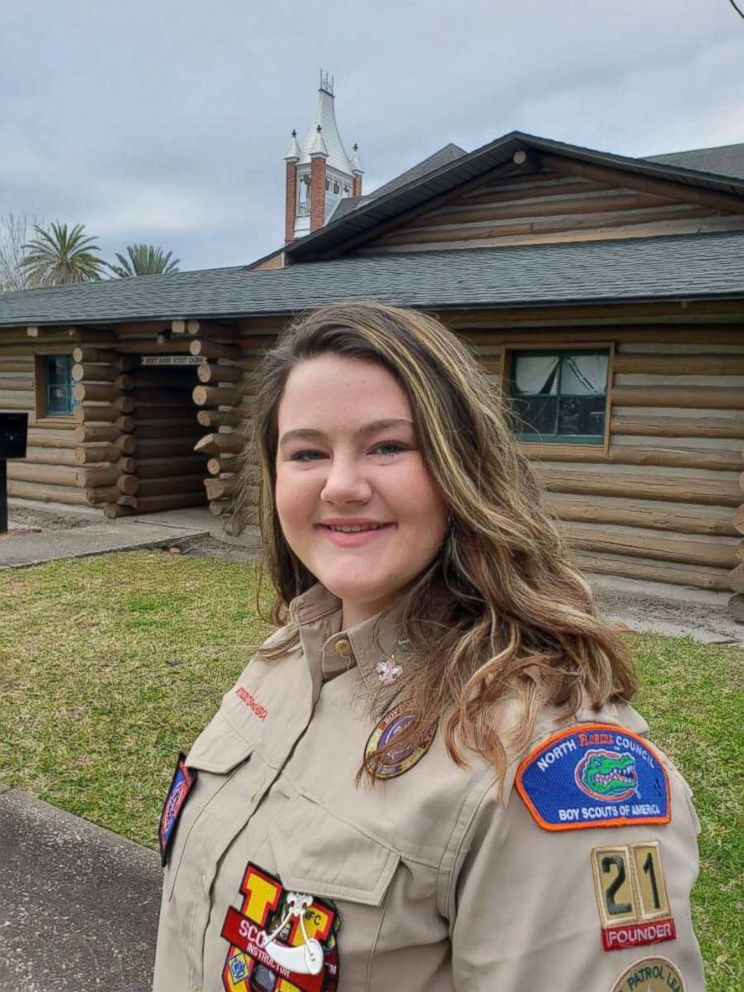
{"x":78,"y":905}
{"x":148,"y":531}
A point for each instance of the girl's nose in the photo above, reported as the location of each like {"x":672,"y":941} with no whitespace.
{"x":345,"y":482}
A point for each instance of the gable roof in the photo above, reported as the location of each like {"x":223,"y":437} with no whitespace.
{"x":687,"y":267}
{"x":449,"y":153}
{"x":724,"y":160}
{"x":362,"y":221}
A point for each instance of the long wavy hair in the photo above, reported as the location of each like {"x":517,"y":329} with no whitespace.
{"x":501,"y":613}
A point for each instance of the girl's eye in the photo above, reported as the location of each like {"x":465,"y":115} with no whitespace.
{"x":301,"y":456}
{"x":396,"y":448}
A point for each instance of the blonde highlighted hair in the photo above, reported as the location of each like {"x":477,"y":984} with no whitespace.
{"x":501,"y":612}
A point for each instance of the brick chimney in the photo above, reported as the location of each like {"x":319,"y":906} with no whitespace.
{"x":318,"y":157}
{"x":290,"y":209}
{"x":357,"y":171}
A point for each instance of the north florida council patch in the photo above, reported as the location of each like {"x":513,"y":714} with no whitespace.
{"x":181,"y":785}
{"x":594,"y":775}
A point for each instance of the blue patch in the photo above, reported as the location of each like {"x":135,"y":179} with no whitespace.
{"x":181,"y":785}
{"x":594,"y":775}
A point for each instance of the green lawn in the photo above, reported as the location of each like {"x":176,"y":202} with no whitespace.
{"x":110,"y":665}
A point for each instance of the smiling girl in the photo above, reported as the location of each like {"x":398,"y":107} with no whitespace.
{"x":404,"y":789}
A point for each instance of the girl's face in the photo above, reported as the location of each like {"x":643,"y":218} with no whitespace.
{"x":348,"y":455}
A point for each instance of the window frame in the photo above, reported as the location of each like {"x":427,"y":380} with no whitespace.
{"x":561,"y":445}
{"x":41,"y":385}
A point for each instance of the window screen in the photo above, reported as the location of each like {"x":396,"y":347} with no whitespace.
{"x":559,"y":395}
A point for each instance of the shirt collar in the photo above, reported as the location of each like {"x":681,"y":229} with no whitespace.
{"x":330,"y":650}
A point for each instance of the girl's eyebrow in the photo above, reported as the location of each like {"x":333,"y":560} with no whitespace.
{"x":307,"y":433}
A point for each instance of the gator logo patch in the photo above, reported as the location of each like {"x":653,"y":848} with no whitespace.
{"x":181,"y":785}
{"x":607,"y":775}
{"x":279,"y":940}
{"x":594,"y":775}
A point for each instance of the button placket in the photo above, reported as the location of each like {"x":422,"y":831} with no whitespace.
{"x":226,"y":820}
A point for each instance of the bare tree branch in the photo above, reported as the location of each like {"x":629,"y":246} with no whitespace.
{"x":14,"y":232}
{"x":739,"y":12}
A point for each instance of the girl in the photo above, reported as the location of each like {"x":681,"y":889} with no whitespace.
{"x":429,"y":777}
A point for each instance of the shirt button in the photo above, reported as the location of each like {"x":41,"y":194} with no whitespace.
{"x":342,"y":646}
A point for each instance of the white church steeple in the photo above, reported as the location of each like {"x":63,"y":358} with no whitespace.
{"x":320,"y":173}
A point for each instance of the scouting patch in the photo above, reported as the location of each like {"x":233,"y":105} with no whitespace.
{"x":181,"y":785}
{"x":631,"y":895}
{"x":594,"y":775}
{"x":650,"y":975}
{"x":398,"y":759}
{"x":279,"y":939}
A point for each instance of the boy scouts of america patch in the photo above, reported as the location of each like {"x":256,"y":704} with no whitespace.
{"x":594,"y":775}
{"x":181,"y":785}
{"x":279,"y":939}
{"x":396,"y":760}
{"x":650,"y":975}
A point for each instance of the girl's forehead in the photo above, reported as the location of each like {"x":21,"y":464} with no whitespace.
{"x":333,"y":387}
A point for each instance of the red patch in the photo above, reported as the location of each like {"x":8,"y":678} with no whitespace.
{"x":638,"y":934}
{"x":279,"y":939}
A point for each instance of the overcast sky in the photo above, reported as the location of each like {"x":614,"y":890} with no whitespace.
{"x":166,"y":122}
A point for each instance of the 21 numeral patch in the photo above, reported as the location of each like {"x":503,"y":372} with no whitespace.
{"x":631,"y":895}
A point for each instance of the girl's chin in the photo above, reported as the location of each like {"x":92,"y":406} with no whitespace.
{"x":361,"y":591}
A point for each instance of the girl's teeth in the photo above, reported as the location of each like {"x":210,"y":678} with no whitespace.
{"x":353,"y":530}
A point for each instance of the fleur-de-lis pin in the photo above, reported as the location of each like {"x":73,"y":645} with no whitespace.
{"x":388,"y":671}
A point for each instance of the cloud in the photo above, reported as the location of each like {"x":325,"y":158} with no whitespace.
{"x":168,"y":121}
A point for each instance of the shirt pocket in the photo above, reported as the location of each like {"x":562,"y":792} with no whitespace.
{"x":320,"y":855}
{"x":217,"y":755}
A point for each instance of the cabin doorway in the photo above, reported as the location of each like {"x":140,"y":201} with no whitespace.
{"x":170,"y":473}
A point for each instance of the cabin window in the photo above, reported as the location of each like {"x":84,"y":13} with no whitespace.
{"x":57,"y":385}
{"x":559,"y":396}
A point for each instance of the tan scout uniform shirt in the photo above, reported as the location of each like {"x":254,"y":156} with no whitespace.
{"x":436,"y":885}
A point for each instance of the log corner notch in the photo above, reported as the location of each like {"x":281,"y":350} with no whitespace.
{"x":736,"y":603}
{"x":104,"y":437}
{"x":218,"y":397}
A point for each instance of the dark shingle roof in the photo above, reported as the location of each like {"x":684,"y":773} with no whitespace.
{"x":725,"y":160}
{"x":442,"y":157}
{"x":690,"y":266}
{"x":360,"y":224}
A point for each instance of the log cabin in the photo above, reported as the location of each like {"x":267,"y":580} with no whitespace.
{"x":604,"y":295}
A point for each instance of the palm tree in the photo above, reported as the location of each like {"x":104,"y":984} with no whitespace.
{"x":144,"y":260}
{"x":57,"y":256}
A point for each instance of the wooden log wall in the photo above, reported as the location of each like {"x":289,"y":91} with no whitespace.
{"x":736,"y":603}
{"x":559,"y":200}
{"x":50,"y":470}
{"x":106,"y":444}
{"x":664,"y":501}
{"x":225,"y":397}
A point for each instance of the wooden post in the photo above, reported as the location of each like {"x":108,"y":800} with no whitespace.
{"x":3,"y":496}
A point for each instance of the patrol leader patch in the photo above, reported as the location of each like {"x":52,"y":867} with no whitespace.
{"x":279,"y":939}
{"x":650,"y":975}
{"x":181,"y":785}
{"x":395,"y":760}
{"x":594,"y":775}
